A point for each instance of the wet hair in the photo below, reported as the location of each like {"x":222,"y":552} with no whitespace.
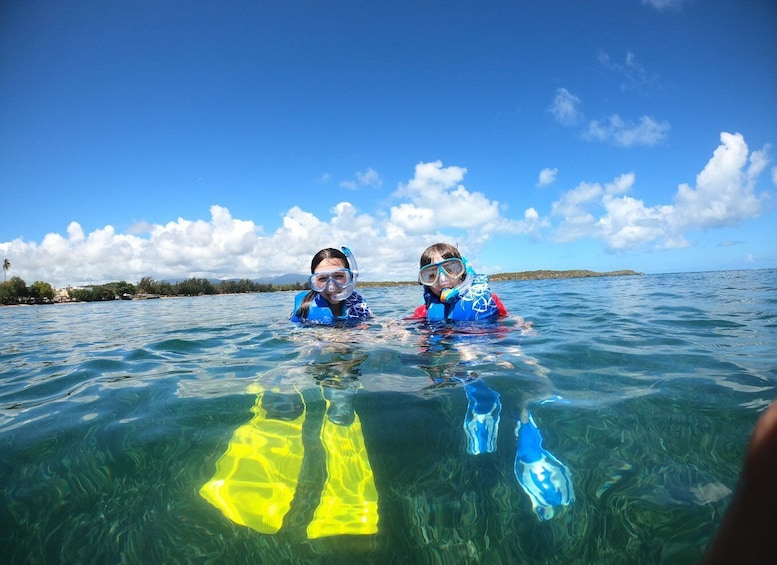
{"x":328,"y":253}
{"x":444,"y":250}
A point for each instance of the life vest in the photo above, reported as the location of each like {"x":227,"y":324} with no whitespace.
{"x":476,"y":303}
{"x":354,"y":309}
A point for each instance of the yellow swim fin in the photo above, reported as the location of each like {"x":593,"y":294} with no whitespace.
{"x":256,"y":478}
{"x":349,"y":502}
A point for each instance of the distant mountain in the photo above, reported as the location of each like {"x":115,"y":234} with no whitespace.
{"x":288,"y":278}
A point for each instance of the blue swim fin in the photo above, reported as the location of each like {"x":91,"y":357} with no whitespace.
{"x":544,"y":478}
{"x":481,"y":424}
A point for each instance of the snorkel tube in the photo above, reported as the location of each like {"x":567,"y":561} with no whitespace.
{"x":449,"y":295}
{"x":351,"y":286}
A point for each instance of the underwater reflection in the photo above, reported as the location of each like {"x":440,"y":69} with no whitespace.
{"x":257,"y":478}
{"x":452,"y":355}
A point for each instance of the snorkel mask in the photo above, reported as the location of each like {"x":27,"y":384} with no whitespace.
{"x":334,"y":280}
{"x":453,"y":268}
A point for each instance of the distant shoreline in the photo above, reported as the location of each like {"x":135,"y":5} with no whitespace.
{"x":573,"y":274}
{"x":524,"y":276}
{"x":499,"y":277}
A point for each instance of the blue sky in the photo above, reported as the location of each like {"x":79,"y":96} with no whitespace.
{"x":234,"y":139}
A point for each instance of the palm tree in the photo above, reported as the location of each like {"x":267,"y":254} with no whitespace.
{"x":6,"y":266}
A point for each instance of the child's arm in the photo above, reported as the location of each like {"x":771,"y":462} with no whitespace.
{"x":419,"y":312}
{"x":499,"y":305}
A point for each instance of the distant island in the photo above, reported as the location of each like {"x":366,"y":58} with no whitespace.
{"x":574,"y":274}
{"x":525,"y":276}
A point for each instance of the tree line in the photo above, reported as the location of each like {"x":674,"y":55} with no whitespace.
{"x":16,"y":291}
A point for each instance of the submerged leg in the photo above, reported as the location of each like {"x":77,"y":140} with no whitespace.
{"x":481,"y":424}
{"x":544,"y":478}
{"x":257,"y":476}
{"x":349,"y":502}
{"x":748,"y":533}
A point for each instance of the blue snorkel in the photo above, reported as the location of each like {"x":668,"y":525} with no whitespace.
{"x":450,"y":295}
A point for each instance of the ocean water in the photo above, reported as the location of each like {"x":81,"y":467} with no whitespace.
{"x":145,"y":431}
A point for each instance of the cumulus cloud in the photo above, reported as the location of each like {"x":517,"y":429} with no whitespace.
{"x":724,"y":195}
{"x":438,"y":200}
{"x":565,"y":108}
{"x":725,"y":189}
{"x":434,"y":205}
{"x":547,"y":176}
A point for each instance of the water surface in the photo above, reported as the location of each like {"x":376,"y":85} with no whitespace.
{"x":114,"y":415}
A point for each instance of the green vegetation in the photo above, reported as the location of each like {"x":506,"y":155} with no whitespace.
{"x":523,"y":276}
{"x":542,"y":275}
{"x":189,"y":287}
{"x":16,"y":291}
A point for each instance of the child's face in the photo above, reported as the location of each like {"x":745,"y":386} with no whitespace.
{"x":333,"y":267}
{"x":443,"y":280}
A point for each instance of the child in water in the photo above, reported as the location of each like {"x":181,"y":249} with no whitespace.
{"x":255,"y":483}
{"x":453,"y":292}
{"x":332,"y":296}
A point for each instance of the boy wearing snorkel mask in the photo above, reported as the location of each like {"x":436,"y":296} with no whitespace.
{"x":332,"y":296}
{"x":453,"y":292}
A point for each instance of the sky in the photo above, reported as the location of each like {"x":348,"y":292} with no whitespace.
{"x":226,"y":140}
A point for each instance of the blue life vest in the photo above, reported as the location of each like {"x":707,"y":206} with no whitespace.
{"x":476,"y":303}
{"x":354,"y":309}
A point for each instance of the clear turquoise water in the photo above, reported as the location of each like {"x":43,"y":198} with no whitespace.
{"x":113,"y":416}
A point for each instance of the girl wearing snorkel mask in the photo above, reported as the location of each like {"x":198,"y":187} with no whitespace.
{"x":452,"y":289}
{"x":332,"y":296}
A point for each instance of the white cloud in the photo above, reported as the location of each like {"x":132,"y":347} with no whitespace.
{"x":725,"y":189}
{"x":369,"y":178}
{"x":566,"y":108}
{"x":438,"y":201}
{"x":774,"y":176}
{"x":227,"y":247}
{"x":547,"y":176}
{"x":616,"y":130}
{"x":620,"y":132}
{"x":661,"y":5}
{"x":634,"y":76}
{"x":432,"y":206}
{"x":724,"y":196}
